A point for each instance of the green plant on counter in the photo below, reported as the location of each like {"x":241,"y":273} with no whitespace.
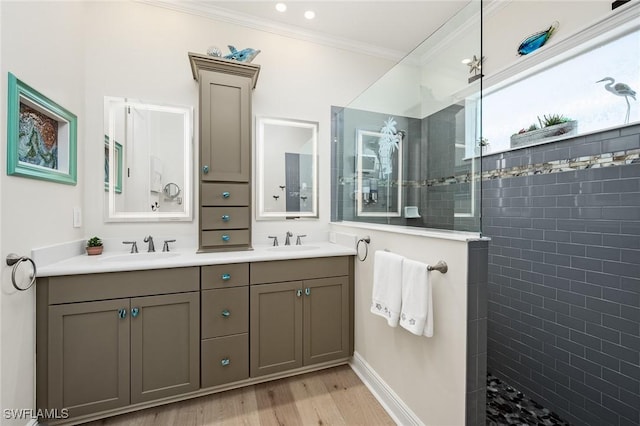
{"x":94,"y":242}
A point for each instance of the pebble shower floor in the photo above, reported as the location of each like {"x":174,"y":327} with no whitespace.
{"x":508,"y":406}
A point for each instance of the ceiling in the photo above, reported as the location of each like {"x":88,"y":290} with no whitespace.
{"x":383,"y":28}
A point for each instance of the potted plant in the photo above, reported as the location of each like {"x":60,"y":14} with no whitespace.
{"x":548,"y":127}
{"x":94,"y":246}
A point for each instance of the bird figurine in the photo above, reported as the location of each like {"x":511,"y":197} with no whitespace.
{"x":620,"y":89}
{"x":244,"y":55}
{"x":537,"y":40}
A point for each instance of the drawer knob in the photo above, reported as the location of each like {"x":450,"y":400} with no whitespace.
{"x":226,"y":194}
{"x":226,"y":313}
{"x":225,"y":362}
{"x":135,"y":312}
{"x":226,"y":218}
{"x":225,"y":277}
{"x":205,"y":169}
{"x":225,"y":237}
{"x":307,"y":291}
{"x":122,"y":313}
{"x":299,"y":292}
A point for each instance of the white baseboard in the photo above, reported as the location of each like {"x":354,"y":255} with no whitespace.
{"x":395,"y":407}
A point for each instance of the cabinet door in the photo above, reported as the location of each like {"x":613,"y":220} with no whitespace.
{"x":326,"y":319}
{"x":165,"y":351}
{"x":225,"y":123}
{"x":275,"y":327}
{"x":89,"y":356}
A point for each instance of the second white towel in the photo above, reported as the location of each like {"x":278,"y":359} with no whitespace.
{"x":417,"y":303}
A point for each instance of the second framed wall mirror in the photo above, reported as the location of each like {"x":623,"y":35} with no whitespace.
{"x":287,"y":168}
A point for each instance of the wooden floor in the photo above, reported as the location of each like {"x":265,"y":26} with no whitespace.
{"x":335,"y":396}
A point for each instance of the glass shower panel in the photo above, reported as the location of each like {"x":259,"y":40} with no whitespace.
{"x":406,"y":151}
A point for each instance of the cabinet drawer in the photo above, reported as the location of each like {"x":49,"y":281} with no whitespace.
{"x":114,"y":285}
{"x":224,"y":194}
{"x":224,"y":360}
{"x":298,"y":269}
{"x":224,"y":276}
{"x":225,"y":238}
{"x":225,"y":311}
{"x":224,"y":217}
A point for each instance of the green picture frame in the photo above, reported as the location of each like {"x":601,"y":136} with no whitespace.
{"x":117,"y":155}
{"x":41,"y":136}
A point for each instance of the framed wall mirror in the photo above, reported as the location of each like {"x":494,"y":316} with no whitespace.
{"x":148,"y":161}
{"x":287,"y":168}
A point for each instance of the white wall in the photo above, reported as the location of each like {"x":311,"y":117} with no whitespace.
{"x":78,"y":52}
{"x":427,"y":374}
{"x":44,"y":50}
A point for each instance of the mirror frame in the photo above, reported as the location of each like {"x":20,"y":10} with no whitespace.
{"x":261,"y":214}
{"x":111,"y":215}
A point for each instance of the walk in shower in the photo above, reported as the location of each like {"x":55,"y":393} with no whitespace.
{"x":406,"y":151}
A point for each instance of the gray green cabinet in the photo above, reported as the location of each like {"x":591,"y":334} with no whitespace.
{"x":305,"y":319}
{"x":225,"y":151}
{"x":97,"y":350}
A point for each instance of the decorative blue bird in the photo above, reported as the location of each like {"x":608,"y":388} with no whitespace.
{"x":620,"y":89}
{"x":537,"y":40}
{"x":244,"y":55}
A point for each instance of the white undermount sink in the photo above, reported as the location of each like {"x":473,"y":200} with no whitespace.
{"x":292,"y":248}
{"x":139,"y":257}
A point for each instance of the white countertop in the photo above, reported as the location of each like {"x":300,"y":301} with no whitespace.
{"x":118,"y":261}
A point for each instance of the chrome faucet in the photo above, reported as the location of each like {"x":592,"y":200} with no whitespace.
{"x":298,"y":240}
{"x":149,"y":240}
{"x":134,"y":245}
{"x":287,"y":241}
{"x":275,"y":240}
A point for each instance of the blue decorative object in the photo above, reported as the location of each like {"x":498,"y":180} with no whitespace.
{"x":244,"y":55}
{"x":537,"y":40}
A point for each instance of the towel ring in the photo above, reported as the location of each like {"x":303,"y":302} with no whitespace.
{"x":366,"y":240}
{"x":15,"y":260}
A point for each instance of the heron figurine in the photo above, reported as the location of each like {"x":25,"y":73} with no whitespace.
{"x":620,"y":89}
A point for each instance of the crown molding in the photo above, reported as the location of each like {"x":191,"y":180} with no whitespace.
{"x":237,"y":18}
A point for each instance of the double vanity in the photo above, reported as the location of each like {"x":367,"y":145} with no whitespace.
{"x":122,"y":332}
{"x":126,"y":331}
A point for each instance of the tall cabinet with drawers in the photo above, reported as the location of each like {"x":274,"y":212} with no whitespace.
{"x":225,"y":151}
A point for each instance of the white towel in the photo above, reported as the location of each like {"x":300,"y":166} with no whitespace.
{"x":387,"y":286}
{"x":417,"y":304}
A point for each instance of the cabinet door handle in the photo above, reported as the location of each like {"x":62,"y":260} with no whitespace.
{"x":122,"y":313}
{"x":225,"y":361}
{"x":226,"y":218}
{"x":225,"y":277}
{"x":226,"y":313}
{"x":135,"y":312}
{"x":226,"y":194}
{"x":225,"y":237}
{"x":307,"y":291}
{"x":205,"y":169}
{"x":299,"y":292}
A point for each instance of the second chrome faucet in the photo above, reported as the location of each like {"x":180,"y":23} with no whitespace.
{"x":149,"y":240}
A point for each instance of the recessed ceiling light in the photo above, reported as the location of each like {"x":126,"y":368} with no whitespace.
{"x":281,"y":7}
{"x":309,"y":14}
{"x":466,"y":61}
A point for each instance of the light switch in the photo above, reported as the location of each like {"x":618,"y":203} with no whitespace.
{"x":77,"y":217}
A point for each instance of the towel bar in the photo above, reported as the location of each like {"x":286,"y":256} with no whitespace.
{"x":441,"y":266}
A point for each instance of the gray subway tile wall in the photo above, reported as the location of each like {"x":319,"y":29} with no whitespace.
{"x":564,"y":274}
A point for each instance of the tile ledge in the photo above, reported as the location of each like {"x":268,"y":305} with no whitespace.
{"x":420,"y":232}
